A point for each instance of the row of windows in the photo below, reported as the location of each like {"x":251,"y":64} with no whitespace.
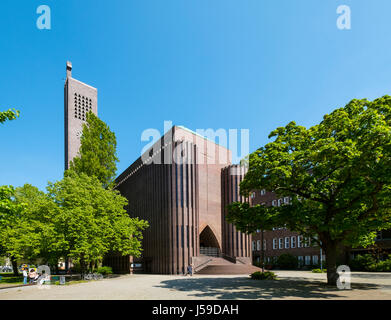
{"x":284,"y":243}
{"x":280,"y":202}
{"x":257,"y":245}
{"x":290,"y":242}
{"x":263,"y":192}
{"x":302,"y":260}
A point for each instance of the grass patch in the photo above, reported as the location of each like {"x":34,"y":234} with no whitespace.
{"x":57,"y":283}
{"x":319,"y":271}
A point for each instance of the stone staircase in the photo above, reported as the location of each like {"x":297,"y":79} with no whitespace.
{"x":224,"y":267}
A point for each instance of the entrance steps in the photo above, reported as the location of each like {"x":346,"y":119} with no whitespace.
{"x":224,"y":267}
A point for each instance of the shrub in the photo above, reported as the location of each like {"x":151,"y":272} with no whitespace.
{"x":287,"y":261}
{"x":104,"y":270}
{"x":368,"y":263}
{"x":319,"y":271}
{"x":268,"y":275}
{"x":362,"y":262}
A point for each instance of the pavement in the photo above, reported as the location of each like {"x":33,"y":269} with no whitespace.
{"x":290,"y":285}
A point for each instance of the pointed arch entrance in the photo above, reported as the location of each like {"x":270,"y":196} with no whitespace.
{"x":208,"y":243}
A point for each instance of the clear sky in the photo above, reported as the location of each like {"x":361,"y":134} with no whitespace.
{"x":252,"y":64}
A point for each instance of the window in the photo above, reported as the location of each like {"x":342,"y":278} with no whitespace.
{"x":286,"y":200}
{"x":299,"y":241}
{"x":258,"y":230}
{"x":293,"y":242}
{"x":252,"y":195}
{"x":263,"y":192}
{"x":287,"y":242}
{"x":280,"y":202}
{"x":307,"y":260}
{"x":306,"y":242}
{"x":274,"y":243}
{"x":253,"y":245}
{"x":314,"y":259}
{"x":300,"y":260}
{"x":264,"y":244}
{"x":274,"y":203}
{"x":258,"y":245}
{"x":281,"y":243}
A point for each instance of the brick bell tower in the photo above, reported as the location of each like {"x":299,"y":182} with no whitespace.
{"x":79,"y":98}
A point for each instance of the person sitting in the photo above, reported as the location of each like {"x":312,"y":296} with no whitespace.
{"x":33,"y":275}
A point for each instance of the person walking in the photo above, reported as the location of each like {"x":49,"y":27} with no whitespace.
{"x":24,"y":276}
{"x":190,"y":270}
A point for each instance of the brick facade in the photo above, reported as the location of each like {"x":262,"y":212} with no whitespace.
{"x":281,"y":240}
{"x":184,"y":203}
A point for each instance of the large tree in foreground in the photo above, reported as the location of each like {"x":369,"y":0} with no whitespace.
{"x":337,"y":174}
{"x":97,"y":153}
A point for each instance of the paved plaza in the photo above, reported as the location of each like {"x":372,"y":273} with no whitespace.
{"x":291,"y":285}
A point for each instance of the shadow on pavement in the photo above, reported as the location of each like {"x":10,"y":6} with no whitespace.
{"x":245,"y":288}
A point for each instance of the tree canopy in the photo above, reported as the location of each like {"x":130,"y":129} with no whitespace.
{"x":90,"y":221}
{"x":10,"y":114}
{"x":97,"y":154}
{"x":12,"y":225}
{"x":77,"y":218}
{"x":336,"y":174}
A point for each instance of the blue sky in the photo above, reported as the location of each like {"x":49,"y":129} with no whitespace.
{"x":253,"y":64}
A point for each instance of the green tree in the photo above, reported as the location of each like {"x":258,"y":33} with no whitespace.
{"x":90,"y":221}
{"x":12,"y":226}
{"x":248,"y":219}
{"x":97,"y":154}
{"x":41,"y":239}
{"x":10,"y":114}
{"x":337,"y":174}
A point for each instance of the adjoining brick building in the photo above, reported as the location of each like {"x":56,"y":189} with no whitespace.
{"x":281,"y":240}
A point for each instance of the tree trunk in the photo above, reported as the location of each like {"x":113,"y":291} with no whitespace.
{"x":14,"y":266}
{"x":331,"y":263}
{"x":83,"y":267}
{"x":262,"y":253}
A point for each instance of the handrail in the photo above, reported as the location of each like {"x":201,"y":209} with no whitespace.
{"x":197,"y":268}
